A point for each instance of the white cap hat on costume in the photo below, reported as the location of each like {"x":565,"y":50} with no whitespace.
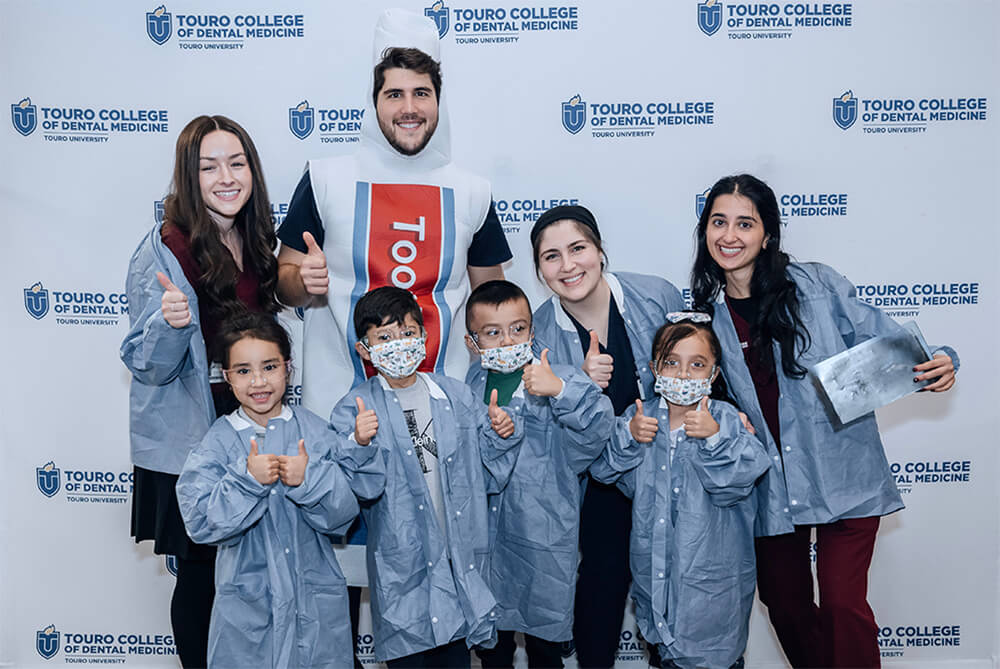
{"x":405,"y":29}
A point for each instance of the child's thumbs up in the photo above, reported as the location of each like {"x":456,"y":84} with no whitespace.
{"x":540,"y":380}
{"x":642,"y":427}
{"x":501,"y":422}
{"x":365,"y":423}
{"x":263,"y":467}
{"x":699,"y":423}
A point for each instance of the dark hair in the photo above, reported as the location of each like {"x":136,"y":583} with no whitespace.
{"x":669,"y":334}
{"x":383,"y":306}
{"x":585,"y":230}
{"x":185,"y":209}
{"x":406,"y":59}
{"x":494,"y":293}
{"x":251,"y":325}
{"x":778,"y":317}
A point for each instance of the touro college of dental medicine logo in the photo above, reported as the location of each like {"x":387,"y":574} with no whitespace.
{"x":24,"y":116}
{"x":334,"y":125}
{"x":795,"y":205}
{"x":519,"y":211}
{"x":84,"y":486}
{"x":493,"y":25}
{"x":66,"y":123}
{"x":905,"y":300}
{"x":75,"y":307}
{"x":108,"y":647}
{"x":47,"y":642}
{"x":221,"y":32}
{"x":771,"y":20}
{"x":621,"y":120}
{"x":905,"y":116}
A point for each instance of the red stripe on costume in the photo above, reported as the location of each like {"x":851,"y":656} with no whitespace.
{"x":404,"y":249}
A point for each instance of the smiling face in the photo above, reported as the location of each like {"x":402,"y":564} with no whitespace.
{"x":258,"y":375}
{"x":569,"y":262}
{"x":735,"y":235}
{"x":407,"y":110}
{"x":224,"y":175}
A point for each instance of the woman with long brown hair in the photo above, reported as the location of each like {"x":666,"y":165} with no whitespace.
{"x":212,"y":258}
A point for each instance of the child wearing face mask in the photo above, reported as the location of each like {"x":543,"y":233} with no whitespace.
{"x":690,"y":466}
{"x":427,"y":550}
{"x":534,"y":523}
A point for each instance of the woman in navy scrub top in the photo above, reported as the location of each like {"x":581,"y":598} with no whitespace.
{"x":604,"y":323}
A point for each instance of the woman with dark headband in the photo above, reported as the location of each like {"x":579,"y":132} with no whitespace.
{"x":604,"y":323}
{"x":775,"y":319}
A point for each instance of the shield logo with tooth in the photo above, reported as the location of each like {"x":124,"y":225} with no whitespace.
{"x":439,"y":14}
{"x":36,"y":301}
{"x":574,"y":114}
{"x":301,"y":119}
{"x":47,"y":642}
{"x":710,"y":17}
{"x":845,"y":110}
{"x":24,"y":116}
{"x":158,"y":25}
{"x":47,"y":478}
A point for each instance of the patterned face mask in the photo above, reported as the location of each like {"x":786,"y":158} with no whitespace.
{"x":683,"y":392}
{"x":505,"y":359}
{"x":398,"y":358}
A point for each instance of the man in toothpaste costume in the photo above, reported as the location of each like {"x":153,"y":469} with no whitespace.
{"x":396,"y":212}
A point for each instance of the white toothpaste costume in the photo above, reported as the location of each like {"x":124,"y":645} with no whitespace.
{"x":391,"y":219}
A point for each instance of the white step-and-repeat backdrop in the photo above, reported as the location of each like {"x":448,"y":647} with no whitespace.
{"x":873,"y":121}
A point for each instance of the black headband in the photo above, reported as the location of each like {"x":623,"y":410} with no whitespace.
{"x":566,"y":211}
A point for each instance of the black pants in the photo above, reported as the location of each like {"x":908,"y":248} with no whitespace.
{"x":604,"y":577}
{"x":354,"y":610}
{"x":452,"y":655}
{"x":191,"y":610}
{"x":542,"y":654}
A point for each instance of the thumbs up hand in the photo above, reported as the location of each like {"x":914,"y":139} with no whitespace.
{"x":174,"y":303}
{"x":313,"y":272}
{"x":292,"y":468}
{"x":643,"y":427}
{"x":365,"y":424}
{"x":698,"y":422}
{"x":598,"y":366}
{"x":262,"y":466}
{"x":540,"y":380}
{"x":500,"y":420}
